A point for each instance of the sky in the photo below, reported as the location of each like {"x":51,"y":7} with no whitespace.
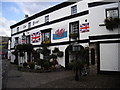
{"x":13,"y":11}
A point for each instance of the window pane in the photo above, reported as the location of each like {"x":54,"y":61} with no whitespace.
{"x":29,"y":24}
{"x":112,"y":13}
{"x":17,"y":29}
{"x":74,"y":28}
{"x":74,"y":10}
{"x":47,"y":36}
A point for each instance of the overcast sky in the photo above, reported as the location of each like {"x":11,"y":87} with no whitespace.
{"x":13,"y":12}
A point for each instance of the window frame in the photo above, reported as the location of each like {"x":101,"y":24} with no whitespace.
{"x":29,"y":25}
{"x":70,"y":29}
{"x":71,"y":23}
{"x":28,"y":37}
{"x":43,"y":35}
{"x":72,"y":10}
{"x":109,"y":9}
{"x":46,"y":18}
{"x":18,"y":29}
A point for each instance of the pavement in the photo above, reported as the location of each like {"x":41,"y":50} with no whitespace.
{"x":59,"y":79}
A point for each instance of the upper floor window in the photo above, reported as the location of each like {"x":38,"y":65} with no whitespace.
{"x":112,"y":13}
{"x":74,"y":27}
{"x":74,"y":9}
{"x":17,"y":29}
{"x":74,"y":30}
{"x":46,"y":37}
{"x":29,"y":25}
{"x":47,"y":18}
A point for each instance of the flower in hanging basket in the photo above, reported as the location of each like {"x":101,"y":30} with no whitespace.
{"x":73,"y":35}
{"x":46,"y":42}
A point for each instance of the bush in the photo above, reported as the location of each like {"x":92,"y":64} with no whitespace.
{"x":52,"y":56}
{"x":46,"y":64}
{"x":54,"y":62}
{"x":25,"y":64}
{"x":39,"y":62}
{"x":55,"y":50}
{"x":32,"y":65}
{"x":19,"y":67}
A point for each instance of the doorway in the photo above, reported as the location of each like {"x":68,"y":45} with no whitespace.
{"x":93,"y":56}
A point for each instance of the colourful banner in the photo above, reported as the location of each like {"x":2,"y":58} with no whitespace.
{"x":59,"y":34}
{"x":84,"y":27}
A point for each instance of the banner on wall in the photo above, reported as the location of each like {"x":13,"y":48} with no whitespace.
{"x":35,"y":37}
{"x":84,"y":27}
{"x":59,"y":34}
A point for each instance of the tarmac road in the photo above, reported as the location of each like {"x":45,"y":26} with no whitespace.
{"x":59,"y":79}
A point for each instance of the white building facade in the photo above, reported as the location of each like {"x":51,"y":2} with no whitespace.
{"x":54,"y":26}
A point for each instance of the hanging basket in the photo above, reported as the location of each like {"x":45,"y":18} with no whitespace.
{"x":112,"y":23}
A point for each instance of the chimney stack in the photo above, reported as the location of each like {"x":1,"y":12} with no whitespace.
{"x":26,"y":16}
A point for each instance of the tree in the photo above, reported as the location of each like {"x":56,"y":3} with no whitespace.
{"x":79,"y":62}
{"x":45,"y":52}
{"x":20,"y":49}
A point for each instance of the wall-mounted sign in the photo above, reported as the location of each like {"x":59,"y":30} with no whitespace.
{"x":24,"y":26}
{"x":35,"y":22}
{"x":35,"y":37}
{"x":59,"y":34}
{"x":84,"y":27}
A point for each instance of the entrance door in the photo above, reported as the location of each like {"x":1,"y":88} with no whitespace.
{"x":93,"y":59}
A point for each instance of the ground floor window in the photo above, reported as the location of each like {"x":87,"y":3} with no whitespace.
{"x":46,"y":37}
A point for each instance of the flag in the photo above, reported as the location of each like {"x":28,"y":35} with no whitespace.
{"x":84,"y":27}
{"x":36,"y":37}
{"x":59,"y":34}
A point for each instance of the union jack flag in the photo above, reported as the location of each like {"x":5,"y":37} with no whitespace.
{"x":84,"y":27}
{"x":36,"y":37}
